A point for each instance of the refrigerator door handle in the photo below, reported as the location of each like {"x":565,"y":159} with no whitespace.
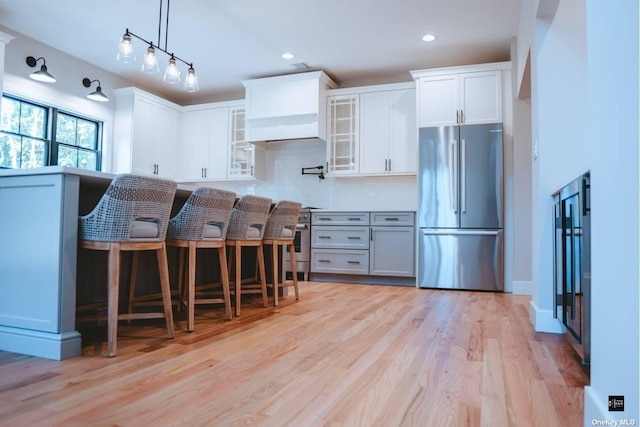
{"x":463,"y":177}
{"x":454,"y":174}
{"x":458,"y":232}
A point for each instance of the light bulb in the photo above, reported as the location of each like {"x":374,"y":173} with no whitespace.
{"x":191,"y":81}
{"x":125,"y":49}
{"x":172,"y":74}
{"x":150,"y":62}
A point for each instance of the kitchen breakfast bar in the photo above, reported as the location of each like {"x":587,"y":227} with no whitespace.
{"x":39,"y":211}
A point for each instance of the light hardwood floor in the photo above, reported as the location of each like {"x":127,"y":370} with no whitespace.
{"x":343,"y":355}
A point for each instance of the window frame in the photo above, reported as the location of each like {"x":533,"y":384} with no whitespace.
{"x":51,"y":144}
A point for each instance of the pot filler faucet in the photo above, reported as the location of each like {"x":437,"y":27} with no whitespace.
{"x":305,"y":171}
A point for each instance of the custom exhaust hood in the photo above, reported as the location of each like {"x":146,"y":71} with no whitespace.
{"x":287,"y":107}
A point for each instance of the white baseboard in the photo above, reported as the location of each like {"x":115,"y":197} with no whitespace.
{"x":543,"y":320}
{"x":594,"y":409}
{"x":520,"y":287}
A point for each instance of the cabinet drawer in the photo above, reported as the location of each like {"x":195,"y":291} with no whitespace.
{"x":340,"y":261}
{"x":340,"y":237}
{"x":340,"y":218}
{"x":393,"y":218}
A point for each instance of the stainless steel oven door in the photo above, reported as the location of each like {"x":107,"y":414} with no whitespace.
{"x":302,"y":245}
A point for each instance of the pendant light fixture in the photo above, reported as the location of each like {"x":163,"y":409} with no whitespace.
{"x":191,"y":81}
{"x":150,"y":65}
{"x":41,"y":75}
{"x":97,"y":95}
{"x":150,"y":61}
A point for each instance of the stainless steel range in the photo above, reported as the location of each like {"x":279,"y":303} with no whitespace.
{"x":302,"y":244}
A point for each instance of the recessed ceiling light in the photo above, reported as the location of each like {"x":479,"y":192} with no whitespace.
{"x":287,"y":55}
{"x":429,"y":38}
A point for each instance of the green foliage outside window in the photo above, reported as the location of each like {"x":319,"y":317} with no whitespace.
{"x":27,"y":142}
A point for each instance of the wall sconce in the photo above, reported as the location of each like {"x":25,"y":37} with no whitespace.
{"x":97,"y":95}
{"x":42,"y":75}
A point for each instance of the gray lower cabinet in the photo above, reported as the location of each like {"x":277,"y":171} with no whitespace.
{"x":391,"y":251}
{"x":340,"y":242}
{"x":363,"y":243}
{"x":340,"y":261}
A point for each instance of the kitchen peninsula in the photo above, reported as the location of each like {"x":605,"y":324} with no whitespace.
{"x":39,"y":211}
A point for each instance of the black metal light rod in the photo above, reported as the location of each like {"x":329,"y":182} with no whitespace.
{"x":190,"y":64}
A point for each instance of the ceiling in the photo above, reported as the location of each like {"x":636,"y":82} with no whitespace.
{"x":356,"y":42}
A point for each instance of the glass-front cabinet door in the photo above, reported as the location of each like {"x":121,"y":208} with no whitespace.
{"x":241,"y":153}
{"x":342,"y":134}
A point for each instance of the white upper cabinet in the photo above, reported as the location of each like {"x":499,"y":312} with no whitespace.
{"x":246,"y":160}
{"x":145,"y":134}
{"x":213,"y":147}
{"x":481,"y":97}
{"x":460,"y":95}
{"x":372,"y":131}
{"x":343,"y":134}
{"x":204,"y":144}
{"x":388,"y":132}
{"x":439,"y":100}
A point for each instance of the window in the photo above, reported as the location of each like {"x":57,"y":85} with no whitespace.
{"x":33,"y":135}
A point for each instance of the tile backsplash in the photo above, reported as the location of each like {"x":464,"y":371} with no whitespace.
{"x":283,"y":165}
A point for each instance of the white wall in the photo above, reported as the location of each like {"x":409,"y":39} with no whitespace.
{"x":612,"y":40}
{"x":584,"y":97}
{"x":521,"y":182}
{"x":559,"y":120}
{"x":67,"y":92}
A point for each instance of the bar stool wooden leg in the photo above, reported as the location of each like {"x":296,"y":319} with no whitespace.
{"x":191,"y":285}
{"x":224,"y":278}
{"x":294,"y":269}
{"x":163,"y":268}
{"x":182,"y":289}
{"x":263,"y":277}
{"x":132,"y":282}
{"x":114,"y":287}
{"x":238,"y":269}
{"x":274,"y":268}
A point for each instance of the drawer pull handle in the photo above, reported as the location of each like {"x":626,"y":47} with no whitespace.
{"x":324,"y":219}
{"x":324,"y":260}
{"x":353,"y":262}
{"x":353,"y":238}
{"x":391,"y":219}
{"x":324,"y":237}
{"x":354,"y":219}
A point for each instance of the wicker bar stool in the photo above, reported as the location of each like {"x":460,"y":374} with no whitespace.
{"x":246,"y":228}
{"x":280,"y":231}
{"x":132,"y":215}
{"x":202,"y":222}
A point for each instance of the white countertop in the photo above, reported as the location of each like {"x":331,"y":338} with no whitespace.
{"x":86,"y":176}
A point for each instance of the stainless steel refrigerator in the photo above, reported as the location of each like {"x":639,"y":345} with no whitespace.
{"x":460,"y":207}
